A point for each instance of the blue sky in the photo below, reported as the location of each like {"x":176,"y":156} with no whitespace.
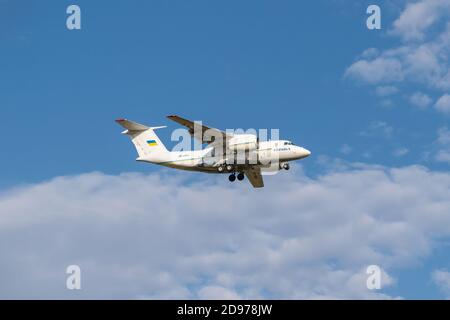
{"x":231,"y":64}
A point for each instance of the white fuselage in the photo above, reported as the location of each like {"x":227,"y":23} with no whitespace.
{"x":268,"y":153}
{"x":240,"y":155}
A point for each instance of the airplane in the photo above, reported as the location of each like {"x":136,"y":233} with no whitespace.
{"x":221,"y":153}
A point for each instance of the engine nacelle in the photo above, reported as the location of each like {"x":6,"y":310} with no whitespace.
{"x":243,"y":142}
{"x":284,"y":165}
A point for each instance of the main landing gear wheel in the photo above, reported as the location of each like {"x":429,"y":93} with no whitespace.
{"x":232,"y":177}
{"x":220,"y":169}
{"x":240,"y":176}
{"x":286,"y":166}
{"x":229,"y":167}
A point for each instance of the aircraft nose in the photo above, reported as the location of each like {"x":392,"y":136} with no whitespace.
{"x":306,"y":152}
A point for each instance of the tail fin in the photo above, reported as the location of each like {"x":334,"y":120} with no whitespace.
{"x":144,"y":138}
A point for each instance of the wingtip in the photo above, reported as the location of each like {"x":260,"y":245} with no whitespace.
{"x":120,"y":120}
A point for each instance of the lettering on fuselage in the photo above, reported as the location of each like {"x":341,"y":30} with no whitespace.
{"x":281,"y":149}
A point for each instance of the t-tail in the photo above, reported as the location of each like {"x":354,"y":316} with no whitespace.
{"x":148,"y":146}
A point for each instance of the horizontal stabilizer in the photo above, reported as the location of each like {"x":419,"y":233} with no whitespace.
{"x":134,"y":126}
{"x":131,"y":125}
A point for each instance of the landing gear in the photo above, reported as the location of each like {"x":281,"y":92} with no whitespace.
{"x":286,"y":166}
{"x":229,"y":167}
{"x":232,"y":177}
{"x":220,"y":169}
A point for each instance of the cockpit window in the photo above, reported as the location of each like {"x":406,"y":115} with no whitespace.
{"x":288,"y":143}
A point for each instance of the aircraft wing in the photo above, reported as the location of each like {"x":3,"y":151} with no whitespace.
{"x":200,"y":135}
{"x":254,"y":176}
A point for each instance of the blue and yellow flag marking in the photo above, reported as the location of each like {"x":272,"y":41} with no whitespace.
{"x":152,"y":143}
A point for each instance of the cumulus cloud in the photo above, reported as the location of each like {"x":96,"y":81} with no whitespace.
{"x":400,"y":152}
{"x":443,"y":155}
{"x":383,"y":91}
{"x":421,"y":57}
{"x":387,"y":103}
{"x":443,"y":145}
{"x":442,"y":279}
{"x":418,"y":17}
{"x":420,"y":100}
{"x":378,"y":70}
{"x":218,"y":293}
{"x":370,"y":53}
{"x":443,"y":104}
{"x":424,"y":63}
{"x":443,"y":136}
{"x":378,"y":129}
{"x":161,"y":236}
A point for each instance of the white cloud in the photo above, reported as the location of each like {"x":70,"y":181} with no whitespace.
{"x":387,"y":103}
{"x":443,"y":145}
{"x":383,"y":91}
{"x":400,"y":152}
{"x":370,"y":53}
{"x":422,"y":60}
{"x":418,"y":17}
{"x":442,"y":279}
{"x":443,"y":136}
{"x":376,"y":71}
{"x":157,"y":236}
{"x":443,"y":104}
{"x":217,"y":293}
{"x":420,"y":100}
{"x":424,"y":63}
{"x":378,"y":129}
{"x":443,"y":156}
